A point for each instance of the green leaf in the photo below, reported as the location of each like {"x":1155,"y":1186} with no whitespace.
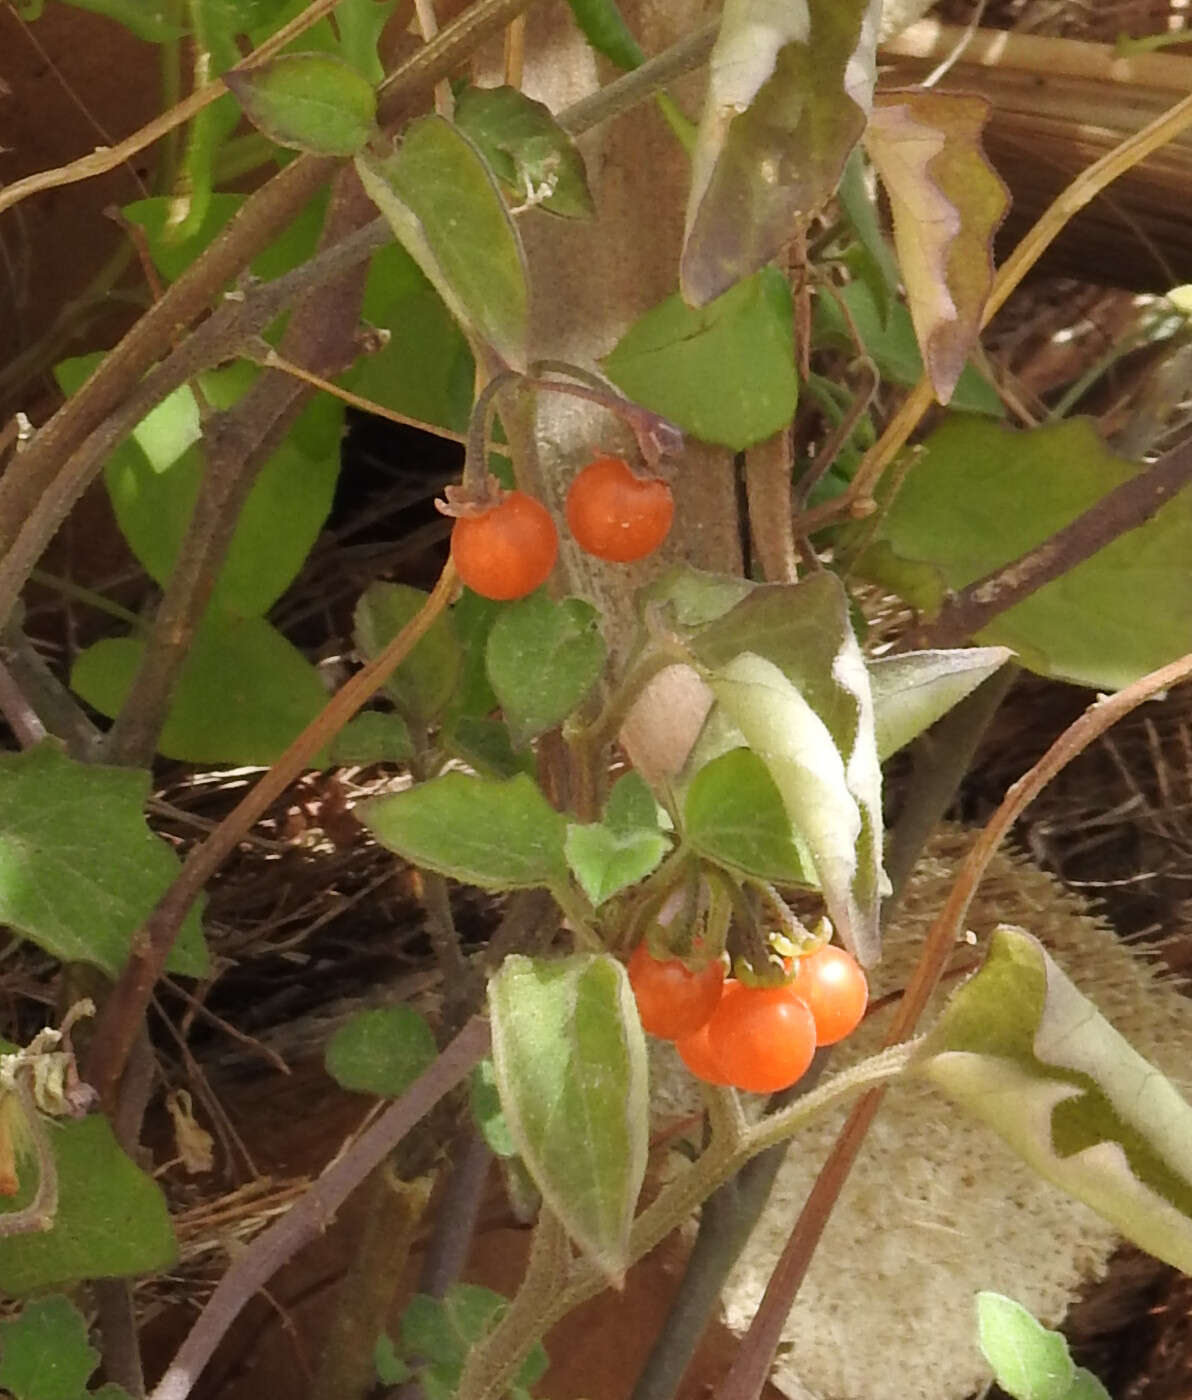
{"x":442,"y":1332}
{"x":913,"y":689}
{"x":313,"y":102}
{"x":244,"y":693}
{"x":734,"y":815}
{"x":804,"y":633}
{"x":631,"y":806}
{"x":487,"y":746}
{"x":1021,"y":1049}
{"x":390,"y":1368}
{"x":1029,"y":1362}
{"x":372,"y":737}
{"x":1086,"y":1386}
{"x":527,"y":150}
{"x":423,"y":683}
{"x":153,"y":481}
{"x":543,"y":657}
{"x":892,"y":345}
{"x":790,"y":86}
{"x":112,"y":1220}
{"x":360,"y":24}
{"x":44,"y":1351}
{"x":857,"y":205}
{"x":692,"y":597}
{"x":947,"y":202}
{"x":380,"y":1052}
{"x":499,"y":835}
{"x":485,"y":1100}
{"x":79,"y":869}
{"x":443,"y":205}
{"x":724,"y":372}
{"x":570,"y":1060}
{"x":981,"y":495}
{"x":425,"y":370}
{"x":606,"y":862}
{"x":147,"y":21}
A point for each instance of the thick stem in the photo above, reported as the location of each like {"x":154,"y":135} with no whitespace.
{"x":394,"y":1211}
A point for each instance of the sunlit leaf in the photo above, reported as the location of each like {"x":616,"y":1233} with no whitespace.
{"x":79,"y":869}
{"x":724,"y":372}
{"x":243,"y":693}
{"x":981,"y":495}
{"x":912,"y":689}
{"x":443,"y":205}
{"x":790,"y":85}
{"x":1029,"y":1361}
{"x":606,"y":862}
{"x":947,"y":201}
{"x":570,"y":1060}
{"x":735,"y":816}
{"x":1021,"y":1049}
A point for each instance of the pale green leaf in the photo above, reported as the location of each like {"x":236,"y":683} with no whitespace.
{"x":79,"y":869}
{"x":606,"y":862}
{"x":570,"y":1060}
{"x":912,"y":689}
{"x":1029,"y":1361}
{"x":1021,"y":1049}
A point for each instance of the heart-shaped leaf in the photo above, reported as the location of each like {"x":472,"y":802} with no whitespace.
{"x":606,"y":862}
{"x":734,"y":815}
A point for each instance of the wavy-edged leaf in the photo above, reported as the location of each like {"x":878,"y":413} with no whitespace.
{"x":790,"y":85}
{"x":79,"y":869}
{"x":44,"y":1351}
{"x":913,"y":689}
{"x":980,"y":495}
{"x":804,"y":632}
{"x":724,"y":372}
{"x":570,"y":1059}
{"x":444,"y":207}
{"x":527,"y":150}
{"x":312,"y":102}
{"x":112,"y":1219}
{"x":497,"y":834}
{"x":1021,"y":1049}
{"x":947,"y":202}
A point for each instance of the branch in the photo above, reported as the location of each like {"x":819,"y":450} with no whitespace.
{"x":756,"y":1354}
{"x":1118,"y":512}
{"x":123,"y":1011}
{"x":310,"y":1217}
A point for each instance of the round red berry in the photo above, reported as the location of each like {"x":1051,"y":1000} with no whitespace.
{"x":616,"y":515}
{"x":830,"y":981}
{"x":508,"y":550}
{"x":673,"y":1001}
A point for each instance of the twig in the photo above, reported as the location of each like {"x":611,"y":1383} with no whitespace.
{"x":768,"y":469}
{"x":306,"y":1220}
{"x":53,"y":705}
{"x":756,"y":1354}
{"x":1118,"y":512}
{"x":123,"y":1011}
{"x":455,"y":1220}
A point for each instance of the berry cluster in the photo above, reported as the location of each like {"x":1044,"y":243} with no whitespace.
{"x":509,"y":549}
{"x":757,"y":1038}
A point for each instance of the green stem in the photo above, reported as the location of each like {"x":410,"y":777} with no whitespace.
{"x":69,"y":589}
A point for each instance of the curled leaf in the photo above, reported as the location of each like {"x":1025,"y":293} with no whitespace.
{"x":947,"y":202}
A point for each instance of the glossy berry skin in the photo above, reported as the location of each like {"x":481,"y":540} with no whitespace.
{"x":616,"y":515}
{"x":673,"y":1001}
{"x":834,"y":988}
{"x":696,"y":1053}
{"x":761,"y":1038}
{"x":509,"y":550}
